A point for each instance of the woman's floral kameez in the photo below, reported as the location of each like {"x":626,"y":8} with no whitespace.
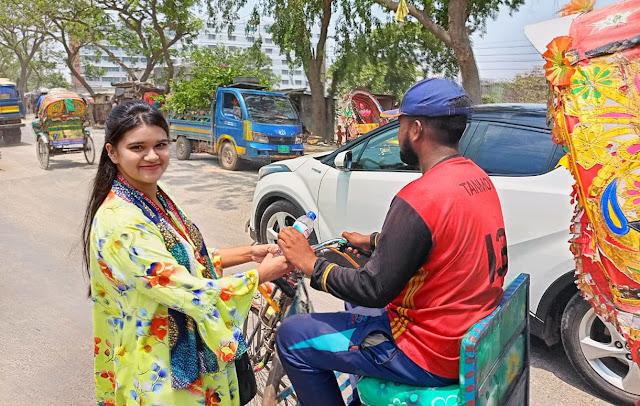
{"x":134,"y":281}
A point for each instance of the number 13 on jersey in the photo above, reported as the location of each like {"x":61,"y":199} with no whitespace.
{"x":497,"y":253}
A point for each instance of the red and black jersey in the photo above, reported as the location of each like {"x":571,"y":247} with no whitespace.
{"x":438,"y":264}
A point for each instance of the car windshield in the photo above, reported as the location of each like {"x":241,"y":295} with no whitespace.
{"x":270,"y":109}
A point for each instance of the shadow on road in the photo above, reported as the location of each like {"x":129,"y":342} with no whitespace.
{"x":60,"y":163}
{"x":554,"y":359}
{"x":19,"y":144}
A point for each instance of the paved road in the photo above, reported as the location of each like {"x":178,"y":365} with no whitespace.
{"x":46,"y":340}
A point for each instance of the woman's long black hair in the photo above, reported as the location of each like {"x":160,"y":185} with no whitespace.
{"x":122,"y":119}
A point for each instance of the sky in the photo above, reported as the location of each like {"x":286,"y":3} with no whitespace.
{"x":504,"y":51}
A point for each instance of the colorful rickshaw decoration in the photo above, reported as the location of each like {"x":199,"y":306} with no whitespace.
{"x":61,"y":127}
{"x":594,"y":75}
{"x":360,"y":113}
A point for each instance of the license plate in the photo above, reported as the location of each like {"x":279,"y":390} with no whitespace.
{"x":284,"y":149}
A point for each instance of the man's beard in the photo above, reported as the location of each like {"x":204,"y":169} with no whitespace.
{"x":407,"y":154}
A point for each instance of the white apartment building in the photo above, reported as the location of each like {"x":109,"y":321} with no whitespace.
{"x":208,"y":37}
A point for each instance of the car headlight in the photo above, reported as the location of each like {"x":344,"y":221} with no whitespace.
{"x":272,"y":168}
{"x":299,"y":139}
{"x":260,"y":137}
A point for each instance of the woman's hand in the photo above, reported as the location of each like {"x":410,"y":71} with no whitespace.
{"x":259,"y":252}
{"x":273,"y":267}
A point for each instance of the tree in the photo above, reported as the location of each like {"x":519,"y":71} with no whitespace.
{"x":196,"y":86}
{"x":9,"y":67}
{"x":21,"y":36}
{"x":389,"y":59}
{"x":73,"y":24}
{"x":452,"y":22}
{"x":529,"y":87}
{"x":148,"y":29}
{"x":45,"y":74}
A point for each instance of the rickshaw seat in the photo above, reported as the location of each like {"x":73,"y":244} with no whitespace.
{"x":494,"y":362}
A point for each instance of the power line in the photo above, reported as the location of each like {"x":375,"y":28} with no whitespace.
{"x":521,"y":54}
{"x":512,"y":61}
{"x":513,"y":69}
{"x":506,"y":47}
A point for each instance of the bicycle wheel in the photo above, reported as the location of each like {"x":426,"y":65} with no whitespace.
{"x":278,"y":389}
{"x":258,"y":330}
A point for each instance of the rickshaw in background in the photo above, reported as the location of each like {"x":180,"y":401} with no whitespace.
{"x":360,"y":113}
{"x":61,"y":127}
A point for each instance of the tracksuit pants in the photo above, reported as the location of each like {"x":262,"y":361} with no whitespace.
{"x":358,"y":341}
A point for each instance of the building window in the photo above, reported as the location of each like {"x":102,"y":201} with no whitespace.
{"x":297,"y":72}
{"x":232,"y":37}
{"x":211,"y":36}
{"x":285,"y":71}
{"x":298,"y":83}
{"x":233,"y":48}
{"x":211,"y":46}
{"x":285,"y":82}
{"x":269,"y":50}
{"x":268,"y":41}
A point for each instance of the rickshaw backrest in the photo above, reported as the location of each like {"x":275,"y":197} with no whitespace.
{"x":494,"y":354}
{"x":494,"y":362}
{"x":62,"y":106}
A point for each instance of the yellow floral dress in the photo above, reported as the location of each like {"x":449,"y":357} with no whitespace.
{"x":134,"y":281}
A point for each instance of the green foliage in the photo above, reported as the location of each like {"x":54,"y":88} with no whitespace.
{"x":531,"y":87}
{"x":196,"y":87}
{"x":9,"y":66}
{"x":148,"y":29}
{"x":389,"y":59}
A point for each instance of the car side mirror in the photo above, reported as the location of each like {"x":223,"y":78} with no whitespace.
{"x":344,"y":160}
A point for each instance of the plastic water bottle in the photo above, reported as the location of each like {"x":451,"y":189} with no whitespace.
{"x":304,"y":224}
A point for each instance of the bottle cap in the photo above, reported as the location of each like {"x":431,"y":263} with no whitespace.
{"x":311,"y":215}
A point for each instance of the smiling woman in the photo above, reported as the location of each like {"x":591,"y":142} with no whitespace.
{"x":166,"y":322}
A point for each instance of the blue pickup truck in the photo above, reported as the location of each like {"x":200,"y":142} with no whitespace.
{"x":11,"y":112}
{"x":242,"y":124}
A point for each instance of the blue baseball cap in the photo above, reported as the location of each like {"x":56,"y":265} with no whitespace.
{"x":431,"y":97}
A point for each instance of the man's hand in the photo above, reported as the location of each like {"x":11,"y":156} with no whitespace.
{"x":297,"y":250}
{"x":363,"y":242}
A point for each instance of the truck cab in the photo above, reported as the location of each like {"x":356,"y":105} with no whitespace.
{"x":242,"y":124}
{"x":11,"y":112}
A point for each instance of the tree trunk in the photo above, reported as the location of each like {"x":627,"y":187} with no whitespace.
{"x":170,"y":73}
{"x":77,"y":75}
{"x":319,"y":110}
{"x":24,"y":77}
{"x":468,"y":70}
{"x":461,"y":45}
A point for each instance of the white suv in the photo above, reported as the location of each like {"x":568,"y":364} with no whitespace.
{"x":351,"y":188}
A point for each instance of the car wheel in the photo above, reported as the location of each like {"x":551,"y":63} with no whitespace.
{"x":228,"y":157}
{"x":276,"y":217}
{"x":183,"y":148}
{"x":599,"y":353}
